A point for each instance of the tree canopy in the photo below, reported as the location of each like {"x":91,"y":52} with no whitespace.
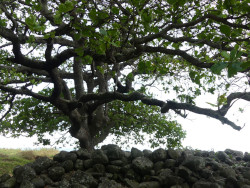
{"x":88,"y":67}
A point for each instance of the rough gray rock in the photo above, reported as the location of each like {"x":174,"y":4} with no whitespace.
{"x":38,"y":182}
{"x":147,"y":152}
{"x":194,"y":163}
{"x":79,"y":165}
{"x":203,"y":184}
{"x":27,"y":184}
{"x":246,"y":157}
{"x":64,"y":156}
{"x":113,"y":152}
{"x":158,"y":155}
{"x":150,"y":184}
{"x":56,"y":173}
{"x":42,"y":163}
{"x":113,"y":168}
{"x":106,"y":183}
{"x":135,"y":153}
{"x":84,"y":179}
{"x":68,"y":165}
{"x":22,"y":173}
{"x":9,"y":183}
{"x":99,"y":157}
{"x":221,"y":155}
{"x":167,"y":178}
{"x":173,"y":154}
{"x":142,"y":165}
{"x":237,"y":155}
{"x":83,"y":154}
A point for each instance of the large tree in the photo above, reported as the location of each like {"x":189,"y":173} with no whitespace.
{"x":88,"y":65}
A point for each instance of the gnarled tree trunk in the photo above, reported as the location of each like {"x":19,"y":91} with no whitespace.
{"x":89,"y":128}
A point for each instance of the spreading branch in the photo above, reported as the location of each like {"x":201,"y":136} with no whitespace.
{"x":11,"y":100}
{"x":24,"y":91}
{"x":165,"y":106}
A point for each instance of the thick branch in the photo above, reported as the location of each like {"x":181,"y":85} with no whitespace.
{"x":204,"y":111}
{"x":78,"y":77}
{"x":202,"y":41}
{"x":27,"y":80}
{"x":8,"y":34}
{"x":10,"y":107}
{"x":58,"y":85}
{"x":49,"y":49}
{"x":151,"y":37}
{"x":28,"y":70}
{"x":46,"y":13}
{"x":184,"y":55}
{"x":59,"y":59}
{"x":230,"y":98}
{"x":165,"y":106}
{"x":24,"y":91}
{"x":9,"y":16}
{"x":66,"y":91}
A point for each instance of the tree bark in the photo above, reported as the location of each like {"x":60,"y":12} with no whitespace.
{"x":90,"y":128}
{"x":80,"y":130}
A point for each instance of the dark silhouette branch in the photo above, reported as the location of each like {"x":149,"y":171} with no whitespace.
{"x":192,"y":60}
{"x":231,"y":97}
{"x":165,"y":106}
{"x":78,"y":77}
{"x":24,"y":91}
{"x":204,"y":111}
{"x":11,"y":100}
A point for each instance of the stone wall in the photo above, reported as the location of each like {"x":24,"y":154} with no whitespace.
{"x":110,"y":167}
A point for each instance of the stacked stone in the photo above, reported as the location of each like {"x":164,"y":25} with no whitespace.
{"x":110,"y":167}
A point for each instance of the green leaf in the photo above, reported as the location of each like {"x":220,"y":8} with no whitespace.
{"x":79,"y":51}
{"x":101,"y":48}
{"x":115,"y":10}
{"x":145,"y":67}
{"x":238,"y":55}
{"x":93,"y":15}
{"x":176,"y":45}
{"x":234,"y":68}
{"x":103,"y":32}
{"x":116,"y":44}
{"x":58,"y":17}
{"x":171,"y":2}
{"x":31,"y":39}
{"x":216,"y":39}
{"x":147,"y":16}
{"x":225,"y":55}
{"x":233,"y":53}
{"x":195,"y":77}
{"x":66,"y":7}
{"x":245,"y":65}
{"x":222,"y":99}
{"x":225,"y":29}
{"x":213,"y":105}
{"x":33,"y":81}
{"x":78,"y":36}
{"x":101,"y":69}
{"x":88,"y":59}
{"x":130,"y":76}
{"x":31,"y":21}
{"x":218,"y":67}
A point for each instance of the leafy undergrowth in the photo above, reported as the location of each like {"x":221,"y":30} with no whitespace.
{"x":9,"y":158}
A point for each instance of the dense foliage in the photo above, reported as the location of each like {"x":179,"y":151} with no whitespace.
{"x":89,"y":67}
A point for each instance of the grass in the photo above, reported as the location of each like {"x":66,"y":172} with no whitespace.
{"x":9,"y":158}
